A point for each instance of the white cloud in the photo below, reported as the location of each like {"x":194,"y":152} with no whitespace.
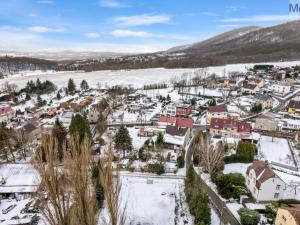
{"x":234,"y":8}
{"x":45,"y":2}
{"x":42,"y":29}
{"x":210,"y":14}
{"x":143,"y":19}
{"x":230,"y":25}
{"x":28,"y":42}
{"x":263,"y":18}
{"x":92,"y":35}
{"x":130,"y":33}
{"x":32,"y":15}
{"x":112,"y":4}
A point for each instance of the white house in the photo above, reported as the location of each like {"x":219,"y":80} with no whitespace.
{"x":66,"y":117}
{"x":263,"y":183}
{"x":280,"y":89}
{"x":290,"y":124}
{"x":169,"y":110}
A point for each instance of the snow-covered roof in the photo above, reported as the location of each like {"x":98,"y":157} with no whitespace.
{"x":19,"y":178}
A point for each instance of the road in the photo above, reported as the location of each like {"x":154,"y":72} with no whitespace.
{"x":216,"y":201}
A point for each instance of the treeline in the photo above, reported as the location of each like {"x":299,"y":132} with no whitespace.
{"x":10,"y":65}
{"x":39,"y":87}
{"x":197,"y":199}
{"x":155,"y":86}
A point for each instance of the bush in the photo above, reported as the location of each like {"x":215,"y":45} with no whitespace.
{"x":245,"y":153}
{"x":142,"y":155}
{"x":180,"y":161}
{"x":159,"y":169}
{"x":197,"y":200}
{"x":248,"y":216}
{"x":230,"y":185}
{"x":196,"y":160}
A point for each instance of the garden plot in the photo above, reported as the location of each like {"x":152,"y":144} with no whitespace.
{"x":137,"y":142}
{"x":161,"y":202}
{"x":275,"y":150}
{"x":163,"y":92}
{"x":124,"y":116}
{"x":236,"y":168}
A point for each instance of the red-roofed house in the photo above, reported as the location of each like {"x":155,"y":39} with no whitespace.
{"x":229,"y":128}
{"x":218,"y":111}
{"x":183,"y":110}
{"x":180,"y":122}
{"x":165,"y":121}
{"x":263,"y":183}
{"x":184,"y":122}
{"x":6,"y":113}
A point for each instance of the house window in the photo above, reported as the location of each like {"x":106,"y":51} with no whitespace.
{"x":276,"y":195}
{"x":277,"y":187}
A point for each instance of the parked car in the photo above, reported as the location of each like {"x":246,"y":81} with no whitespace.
{"x":8,"y":209}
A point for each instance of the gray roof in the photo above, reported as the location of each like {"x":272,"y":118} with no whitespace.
{"x":262,"y":97}
{"x":175,"y":131}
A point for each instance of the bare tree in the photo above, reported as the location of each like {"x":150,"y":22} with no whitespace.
{"x":210,"y":156}
{"x":53,"y":192}
{"x":22,"y":139}
{"x":78,"y":165}
{"x":9,"y":88}
{"x":111,"y":184}
{"x":66,"y":190}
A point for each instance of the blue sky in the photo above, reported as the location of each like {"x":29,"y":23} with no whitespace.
{"x":127,"y":25}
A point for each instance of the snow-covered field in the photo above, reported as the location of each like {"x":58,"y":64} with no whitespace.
{"x":131,"y":77}
{"x":154,"y":204}
{"x":236,"y":168}
{"x":275,"y":150}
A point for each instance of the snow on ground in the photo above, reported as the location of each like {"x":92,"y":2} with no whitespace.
{"x":153,"y":204}
{"x":215,"y":219}
{"x":134,"y":77}
{"x":137,"y":141}
{"x":236,"y":168}
{"x":234,"y":208}
{"x":163,"y":92}
{"x":275,"y":150}
{"x":14,"y":212}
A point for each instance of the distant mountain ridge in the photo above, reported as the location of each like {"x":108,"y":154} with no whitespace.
{"x":244,"y":45}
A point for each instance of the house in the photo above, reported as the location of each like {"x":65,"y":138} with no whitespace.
{"x":263,"y":183}
{"x":289,"y":215}
{"x":294,"y":107}
{"x":66,"y":117}
{"x":265,"y":100}
{"x":6,"y":113}
{"x":280,"y":89}
{"x":165,"y":121}
{"x":18,"y":180}
{"x":32,"y":128}
{"x":169,"y":110}
{"x":250,"y":88}
{"x":266,"y":122}
{"x":183,"y":110}
{"x":176,"y":138}
{"x":133,"y":97}
{"x":35,"y":111}
{"x":176,"y":121}
{"x":229,"y":128}
{"x":290,"y":124}
{"x":218,"y":111}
